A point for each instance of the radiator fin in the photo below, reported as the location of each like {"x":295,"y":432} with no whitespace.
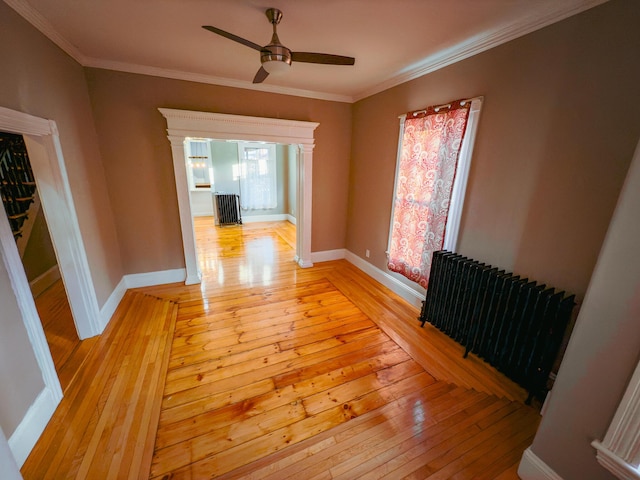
{"x":512,"y":323}
{"x":228,"y":209}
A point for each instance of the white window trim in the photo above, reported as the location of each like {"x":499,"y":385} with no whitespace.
{"x":619,"y":451}
{"x":459,"y":188}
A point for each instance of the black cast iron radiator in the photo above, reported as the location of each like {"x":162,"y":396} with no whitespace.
{"x":228,"y":208}
{"x":512,"y":323}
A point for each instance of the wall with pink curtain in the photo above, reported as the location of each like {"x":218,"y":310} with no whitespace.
{"x":557,"y":133}
{"x":555,"y":138}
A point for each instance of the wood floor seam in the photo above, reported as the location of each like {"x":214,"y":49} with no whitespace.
{"x":267,"y":371}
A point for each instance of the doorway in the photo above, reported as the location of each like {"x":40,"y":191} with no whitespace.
{"x":21,"y":204}
{"x":185,"y":123}
{"x":262,"y":175}
{"x":45,"y":153}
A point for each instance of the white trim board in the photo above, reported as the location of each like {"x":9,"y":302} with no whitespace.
{"x":532,"y":468}
{"x":182,"y":124}
{"x":412,"y":296}
{"x":613,"y":462}
{"x":110,"y":306}
{"x":555,"y":12}
{"x":45,"y":154}
{"x":150,"y":279}
{"x":137,"y":280}
{"x":47,"y":161}
{"x":44,"y":281}
{"x":33,"y":424}
{"x":277,"y":217}
{"x":328,"y":255}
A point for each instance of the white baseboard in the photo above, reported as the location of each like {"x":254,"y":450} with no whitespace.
{"x":328,"y":255}
{"x":44,"y":281}
{"x":278,"y":217}
{"x":303,"y":263}
{"x":149,"y":279}
{"x":32,"y":425}
{"x":109,"y":307}
{"x":8,"y":466}
{"x":414,"y":297}
{"x":136,"y":280}
{"x":291,"y":218}
{"x":532,"y":468}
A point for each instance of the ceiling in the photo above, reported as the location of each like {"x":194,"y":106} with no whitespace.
{"x":392,"y":41}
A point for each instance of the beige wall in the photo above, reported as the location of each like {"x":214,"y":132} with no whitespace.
{"x":589,"y":387}
{"x":20,"y":375}
{"x":549,"y":163}
{"x":556,"y":135}
{"x":41,"y":80}
{"x":139,"y":169}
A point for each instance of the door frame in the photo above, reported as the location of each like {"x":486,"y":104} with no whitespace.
{"x":218,"y":126}
{"x":47,"y":162}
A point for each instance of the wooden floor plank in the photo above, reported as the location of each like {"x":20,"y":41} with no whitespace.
{"x":67,"y":350}
{"x":93,"y":424}
{"x":279,"y":372}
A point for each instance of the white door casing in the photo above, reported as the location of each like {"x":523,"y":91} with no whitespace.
{"x":47,"y":162}
{"x":217,"y":126}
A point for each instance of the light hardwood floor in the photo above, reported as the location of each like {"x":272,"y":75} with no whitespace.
{"x":67,"y":350}
{"x":270,"y":371}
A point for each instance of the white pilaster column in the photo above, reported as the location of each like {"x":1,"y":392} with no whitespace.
{"x":186,"y":221}
{"x":305,"y":177}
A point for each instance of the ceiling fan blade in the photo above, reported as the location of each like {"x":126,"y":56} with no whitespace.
{"x":233,"y":37}
{"x":260,"y":75}
{"x":324,"y":58}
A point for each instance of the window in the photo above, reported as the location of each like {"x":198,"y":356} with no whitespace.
{"x":434,"y":156}
{"x":257,"y":175}
{"x":199,"y":164}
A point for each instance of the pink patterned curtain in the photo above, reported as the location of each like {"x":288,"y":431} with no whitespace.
{"x":429,"y":156}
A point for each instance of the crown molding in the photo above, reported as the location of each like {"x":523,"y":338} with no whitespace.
{"x":212,"y":80}
{"x":555,"y":12}
{"x":36,"y":19}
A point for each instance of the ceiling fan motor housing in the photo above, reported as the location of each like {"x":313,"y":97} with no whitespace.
{"x":275,"y":53}
{"x":275,"y":57}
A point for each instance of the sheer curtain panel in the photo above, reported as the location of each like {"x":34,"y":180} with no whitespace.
{"x":258,"y":182}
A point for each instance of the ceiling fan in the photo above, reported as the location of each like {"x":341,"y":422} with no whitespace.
{"x":277,"y":58}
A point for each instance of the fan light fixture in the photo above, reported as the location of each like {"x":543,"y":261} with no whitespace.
{"x":275,"y":57}
{"x":276,"y":67}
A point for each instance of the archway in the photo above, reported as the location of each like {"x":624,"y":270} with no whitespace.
{"x":186,"y":123}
